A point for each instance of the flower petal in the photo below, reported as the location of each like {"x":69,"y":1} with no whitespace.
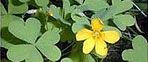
{"x":111,"y":36}
{"x":96,"y":24}
{"x":83,"y":34}
{"x":101,"y":47}
{"x":88,"y":45}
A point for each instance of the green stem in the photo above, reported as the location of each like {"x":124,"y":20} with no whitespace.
{"x":46,"y":22}
{"x":139,"y":9}
{"x":68,"y":46}
{"x":138,"y":28}
{"x":132,"y":30}
{"x":127,"y":38}
{"x":102,"y":60}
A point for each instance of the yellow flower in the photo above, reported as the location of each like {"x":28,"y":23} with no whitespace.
{"x":96,"y":38}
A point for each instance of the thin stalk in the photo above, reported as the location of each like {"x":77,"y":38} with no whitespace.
{"x":68,"y":47}
{"x":127,"y":38}
{"x":139,"y":9}
{"x":66,"y":53}
{"x":102,"y":60}
{"x":46,"y":22}
{"x":132,"y":30}
{"x":138,"y":28}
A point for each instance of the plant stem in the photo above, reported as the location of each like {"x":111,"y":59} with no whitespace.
{"x":102,"y":60}
{"x":127,"y":38}
{"x":137,"y":27}
{"x":139,"y":9}
{"x":132,"y":30}
{"x":68,"y":46}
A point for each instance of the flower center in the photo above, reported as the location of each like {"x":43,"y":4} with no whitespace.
{"x":96,"y":34}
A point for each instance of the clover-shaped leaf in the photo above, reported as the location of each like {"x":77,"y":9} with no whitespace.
{"x":55,"y":11}
{"x":50,"y":37}
{"x":5,"y":34}
{"x":13,"y":9}
{"x":139,"y":51}
{"x":6,"y":19}
{"x":24,"y":0}
{"x":96,"y":5}
{"x":66,"y":6}
{"x":66,"y":60}
{"x":120,"y":6}
{"x":122,"y":21}
{"x":80,"y":24}
{"x":46,"y":44}
{"x":29,"y":31}
{"x":80,"y":19}
{"x":106,"y":28}
{"x":42,"y":2}
{"x":77,"y":15}
{"x":117,"y":7}
{"x":24,"y":52}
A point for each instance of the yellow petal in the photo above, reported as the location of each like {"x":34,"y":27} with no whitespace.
{"x":88,"y":45}
{"x":111,"y":36}
{"x":83,"y":34}
{"x":96,"y":24}
{"x":101,"y":47}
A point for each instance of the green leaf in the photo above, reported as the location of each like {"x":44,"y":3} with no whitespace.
{"x":50,"y":37}
{"x":27,"y":31}
{"x":80,"y":19}
{"x":77,"y":15}
{"x":80,"y":24}
{"x":96,"y":5}
{"x":55,"y":11}
{"x":78,"y":56}
{"x":5,"y":44}
{"x":22,"y":52}
{"x":17,"y":9}
{"x":2,"y":9}
{"x":89,"y":58}
{"x":57,"y":14}
{"x":52,"y":52}
{"x":80,"y":1}
{"x":49,"y":26}
{"x":42,"y":2}
{"x":117,"y":7}
{"x":66,"y":60}
{"x":66,"y":7}
{"x":121,"y":6}
{"x":46,"y":44}
{"x":65,"y":21}
{"x":7,"y":38}
{"x":6,"y":19}
{"x":110,"y":28}
{"x":122,"y":21}
{"x":24,"y":1}
{"x":99,"y":14}
{"x":139,"y":51}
